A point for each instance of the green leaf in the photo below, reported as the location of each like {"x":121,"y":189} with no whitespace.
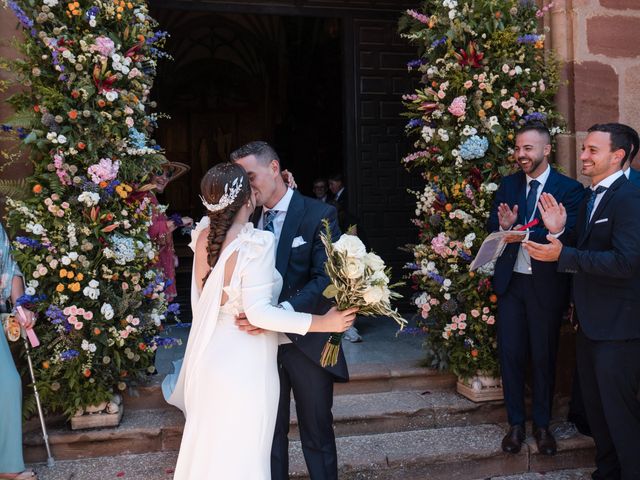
{"x":331,"y":291}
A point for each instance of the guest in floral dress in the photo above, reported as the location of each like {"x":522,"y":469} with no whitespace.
{"x":11,"y":288}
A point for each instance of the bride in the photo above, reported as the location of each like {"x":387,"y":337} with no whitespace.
{"x":228,"y":385}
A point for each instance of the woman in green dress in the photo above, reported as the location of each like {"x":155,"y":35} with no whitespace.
{"x":11,"y":288}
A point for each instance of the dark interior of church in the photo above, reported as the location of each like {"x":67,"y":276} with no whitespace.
{"x":234,"y":78}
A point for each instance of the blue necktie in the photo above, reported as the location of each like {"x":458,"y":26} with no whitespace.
{"x":267,"y":222}
{"x":531,"y":199}
{"x":592,"y":201}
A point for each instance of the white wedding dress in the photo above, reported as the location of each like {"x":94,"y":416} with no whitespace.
{"x":228,"y":385}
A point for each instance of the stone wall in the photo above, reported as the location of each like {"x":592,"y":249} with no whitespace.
{"x":598,"y":41}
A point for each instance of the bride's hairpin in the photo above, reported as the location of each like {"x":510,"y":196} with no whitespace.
{"x":230,"y":194}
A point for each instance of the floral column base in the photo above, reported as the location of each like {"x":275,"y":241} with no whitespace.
{"x":481,"y":388}
{"x":105,"y":414}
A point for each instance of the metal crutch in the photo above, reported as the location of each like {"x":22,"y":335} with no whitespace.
{"x":50,"y":461}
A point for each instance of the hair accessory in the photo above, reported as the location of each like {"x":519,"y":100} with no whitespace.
{"x":230,"y":194}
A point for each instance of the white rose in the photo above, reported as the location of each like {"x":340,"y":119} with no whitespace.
{"x":373,"y":261}
{"x":111,"y":96}
{"x":354,"y":268}
{"x":379,"y":277}
{"x":107,"y":311}
{"x":351,"y":245}
{"x":373,"y":295}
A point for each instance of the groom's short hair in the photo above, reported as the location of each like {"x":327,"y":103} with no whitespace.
{"x":259,"y":149}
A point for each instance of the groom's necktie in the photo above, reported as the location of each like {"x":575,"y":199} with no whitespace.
{"x":592,"y":201}
{"x":267,"y":221}
{"x":531,"y":199}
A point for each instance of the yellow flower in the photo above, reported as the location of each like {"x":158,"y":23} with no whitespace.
{"x":488,"y":104}
{"x":74,"y":287}
{"x":482,"y":114}
{"x":63,"y":273}
{"x":60,"y":288}
{"x":70,"y":275}
{"x":79,"y":277}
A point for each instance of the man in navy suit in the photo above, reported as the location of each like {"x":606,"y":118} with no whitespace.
{"x":605,"y":261}
{"x":296,"y":222}
{"x":531,"y":295}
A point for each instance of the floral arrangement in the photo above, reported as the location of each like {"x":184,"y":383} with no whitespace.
{"x":358,"y":279}
{"x":81,"y":234}
{"x":484,"y":71}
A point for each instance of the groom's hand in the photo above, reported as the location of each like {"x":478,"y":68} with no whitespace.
{"x":243,"y":324}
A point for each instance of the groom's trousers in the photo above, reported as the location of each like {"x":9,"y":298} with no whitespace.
{"x":312,"y":388}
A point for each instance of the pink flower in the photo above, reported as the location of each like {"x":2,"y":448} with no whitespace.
{"x":475,"y":313}
{"x":103,"y":171}
{"x":491,"y":320}
{"x":485,"y":310}
{"x":462,"y":317}
{"x":462,"y":326}
{"x":468,"y":84}
{"x":78,"y":325}
{"x":88,"y":315}
{"x":124,"y":333}
{"x":104,"y":46}
{"x":418,"y":16}
{"x":458,"y":106}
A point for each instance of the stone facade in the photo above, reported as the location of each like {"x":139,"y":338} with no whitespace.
{"x":597,"y":40}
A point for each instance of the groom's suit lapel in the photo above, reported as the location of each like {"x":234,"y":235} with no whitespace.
{"x":292,"y":221}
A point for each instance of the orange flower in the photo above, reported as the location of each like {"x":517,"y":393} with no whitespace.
{"x":63,"y":272}
{"x":97,"y":331}
{"x":79,"y":277}
{"x":498,"y":14}
{"x":493,"y":298}
{"x":87,"y":373}
{"x":70,"y":275}
{"x":73,"y":114}
{"x":103,"y":184}
{"x":81,"y":146}
{"x":75,"y":93}
{"x":142,"y":346}
{"x":36,"y":108}
{"x":472,"y":274}
{"x":37,"y":188}
{"x":101,"y":103}
{"x":516,"y":95}
{"x":482,"y":114}
{"x":74,"y":287}
{"x":474,"y":353}
{"x":45,"y":364}
{"x":448,"y":207}
{"x":59,"y":288}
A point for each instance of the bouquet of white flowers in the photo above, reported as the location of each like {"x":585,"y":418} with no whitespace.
{"x":358,"y":279}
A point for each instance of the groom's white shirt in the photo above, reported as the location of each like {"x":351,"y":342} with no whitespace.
{"x":278,"y":222}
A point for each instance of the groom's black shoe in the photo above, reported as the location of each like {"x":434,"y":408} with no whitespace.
{"x":512,"y":441}
{"x":545,"y":441}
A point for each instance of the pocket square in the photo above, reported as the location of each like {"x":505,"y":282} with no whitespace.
{"x":602,"y":220}
{"x":298,"y":241}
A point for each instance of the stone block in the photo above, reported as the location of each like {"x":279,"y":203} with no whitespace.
{"x":614,"y":36}
{"x":621,"y":4}
{"x":596,"y":94}
{"x":630,"y":101}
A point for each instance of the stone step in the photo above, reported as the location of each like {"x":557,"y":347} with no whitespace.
{"x":574,"y":474}
{"x":358,"y":414}
{"x":451,"y":453}
{"x":365,"y":378}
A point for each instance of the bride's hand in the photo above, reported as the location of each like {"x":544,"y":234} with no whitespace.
{"x":334,"y":320}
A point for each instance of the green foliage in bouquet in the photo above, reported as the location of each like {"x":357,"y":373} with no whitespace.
{"x":484,"y":71}
{"x":81,"y":235}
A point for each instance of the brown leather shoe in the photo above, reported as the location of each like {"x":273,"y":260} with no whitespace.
{"x":512,"y":441}
{"x":545,"y":441}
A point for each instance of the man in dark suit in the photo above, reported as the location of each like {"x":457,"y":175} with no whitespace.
{"x":296,"y":222}
{"x":531,"y":294}
{"x":605,"y":261}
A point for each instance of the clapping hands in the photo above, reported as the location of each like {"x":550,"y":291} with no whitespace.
{"x":553,"y":214}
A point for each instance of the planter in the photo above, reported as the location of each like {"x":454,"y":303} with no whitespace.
{"x":481,"y":388}
{"x":106,"y":414}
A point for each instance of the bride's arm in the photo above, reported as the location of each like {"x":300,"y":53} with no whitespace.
{"x":257,"y":291}
{"x":200,"y":263}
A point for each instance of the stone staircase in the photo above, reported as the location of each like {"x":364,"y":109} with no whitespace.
{"x":393,"y":421}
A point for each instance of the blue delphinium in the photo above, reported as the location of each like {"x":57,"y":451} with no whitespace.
{"x":474,"y":147}
{"x":69,"y":354}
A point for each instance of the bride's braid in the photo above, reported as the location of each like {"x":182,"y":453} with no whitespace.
{"x":213,"y":188}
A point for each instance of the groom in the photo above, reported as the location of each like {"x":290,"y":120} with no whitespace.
{"x":296,"y":222}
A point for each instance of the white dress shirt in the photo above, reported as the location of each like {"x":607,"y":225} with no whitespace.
{"x":523,"y":262}
{"x":607,"y":182}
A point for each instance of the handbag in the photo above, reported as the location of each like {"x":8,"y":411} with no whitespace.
{"x":10,"y":326}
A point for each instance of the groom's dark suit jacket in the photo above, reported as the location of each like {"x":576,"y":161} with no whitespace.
{"x":606,"y":264}
{"x":551,"y":288}
{"x":634,"y":177}
{"x":302,"y":269}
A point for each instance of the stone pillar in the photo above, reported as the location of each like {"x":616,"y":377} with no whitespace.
{"x":9,"y":30}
